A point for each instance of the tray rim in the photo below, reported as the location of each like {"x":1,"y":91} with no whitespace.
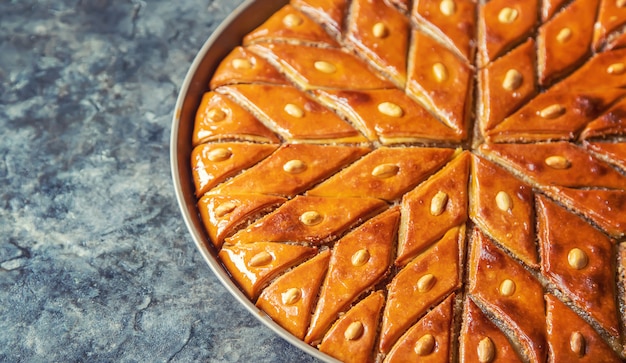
{"x":245,"y":18}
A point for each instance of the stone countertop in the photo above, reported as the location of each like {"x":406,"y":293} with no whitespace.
{"x":96,"y":263}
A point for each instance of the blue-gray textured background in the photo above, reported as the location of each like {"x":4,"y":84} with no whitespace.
{"x":95,"y":262}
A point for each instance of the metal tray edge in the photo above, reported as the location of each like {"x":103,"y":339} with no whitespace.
{"x":227,"y":35}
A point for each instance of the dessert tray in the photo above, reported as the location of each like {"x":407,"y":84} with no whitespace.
{"x":397,"y":180}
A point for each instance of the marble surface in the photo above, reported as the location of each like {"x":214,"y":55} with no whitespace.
{"x":95,"y":261}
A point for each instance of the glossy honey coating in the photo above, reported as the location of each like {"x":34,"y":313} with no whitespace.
{"x":561,"y":164}
{"x":565,"y":40}
{"x":599,"y":71}
{"x":602,"y":207}
{"x":611,"y":16}
{"x":580,"y":260}
{"x":386,"y":173}
{"x":353,"y":336}
{"x":572,"y":339}
{"x":290,"y":298}
{"x":311,"y":220}
{"x":502,"y":25}
{"x":611,"y":123}
{"x":314,"y":67}
{"x":388,"y":116}
{"x":381,"y":35}
{"x":506,"y":84}
{"x":440,"y":81}
{"x":368,"y":169}
{"x":329,"y":13}
{"x":557,"y":115}
{"x":503,"y":207}
{"x":291,"y":169}
{"x":612,"y":152}
{"x":425,"y":216}
{"x":293,"y":115}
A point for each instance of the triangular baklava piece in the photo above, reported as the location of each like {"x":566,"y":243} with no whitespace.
{"x":606,"y":70}
{"x":572,"y":339}
{"x":556,"y":164}
{"x":559,"y":115}
{"x":606,"y":208}
{"x":330,"y":13}
{"x":612,"y":152}
{"x":353,"y":336}
{"x":611,"y":123}
{"x":289,"y":300}
{"x":611,"y":18}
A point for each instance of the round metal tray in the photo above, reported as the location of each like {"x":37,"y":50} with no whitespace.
{"x":227,"y":36}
